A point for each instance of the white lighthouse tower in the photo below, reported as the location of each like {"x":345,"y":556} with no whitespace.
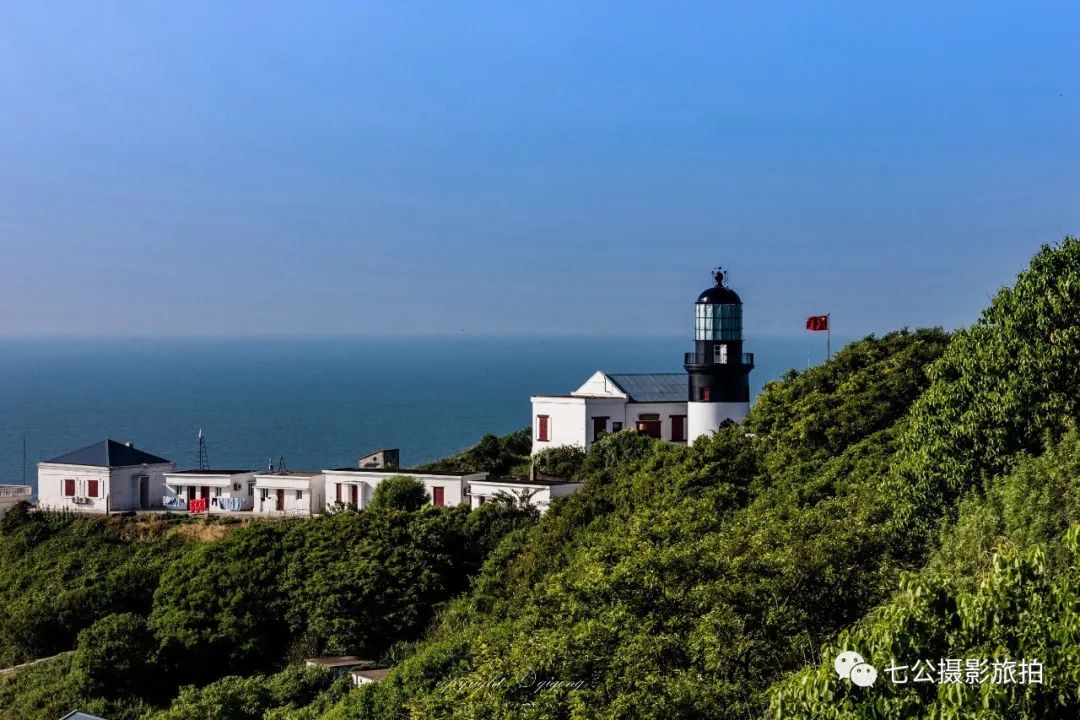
{"x":718,"y":369}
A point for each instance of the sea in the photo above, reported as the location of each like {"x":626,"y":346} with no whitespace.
{"x":317,"y":403}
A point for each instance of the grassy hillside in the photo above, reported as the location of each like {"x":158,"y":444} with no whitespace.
{"x":858,"y":508}
{"x":151,"y":605}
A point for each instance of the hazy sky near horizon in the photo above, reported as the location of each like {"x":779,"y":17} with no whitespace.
{"x":251,"y":168}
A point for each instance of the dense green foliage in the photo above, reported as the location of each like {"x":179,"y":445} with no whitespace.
{"x":562,"y":461}
{"x":116,"y":657}
{"x":499,"y":456}
{"x":249,"y":698}
{"x":238,"y":599}
{"x":402,"y":493}
{"x":59,"y":573}
{"x":1005,"y":385}
{"x":1020,"y":599}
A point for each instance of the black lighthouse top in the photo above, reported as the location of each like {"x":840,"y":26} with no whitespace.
{"x":718,"y":314}
{"x":719,"y":294}
{"x":718,"y":369}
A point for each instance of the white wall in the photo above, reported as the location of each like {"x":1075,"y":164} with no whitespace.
{"x":177,"y":484}
{"x":614,"y":409}
{"x":118,"y":488}
{"x":600,"y":384}
{"x":454,"y":487}
{"x":665,"y":410}
{"x":310,"y":502}
{"x":124,"y":482}
{"x":541,"y":498}
{"x":51,"y":487}
{"x":705,"y":418}
{"x":566,"y":422}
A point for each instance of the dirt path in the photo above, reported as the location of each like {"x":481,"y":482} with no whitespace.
{"x":13,"y":668}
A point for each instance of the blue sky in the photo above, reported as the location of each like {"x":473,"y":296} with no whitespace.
{"x":209,"y":168}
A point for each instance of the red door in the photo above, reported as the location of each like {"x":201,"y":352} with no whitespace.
{"x":678,"y":428}
{"x":190,"y":492}
{"x":599,"y":427}
{"x":204,"y":492}
{"x":353,"y":499}
{"x":437,"y":496}
{"x":280,"y":501}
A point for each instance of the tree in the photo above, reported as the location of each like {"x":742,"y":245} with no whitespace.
{"x":562,"y":461}
{"x":221,"y":609}
{"x":400,"y":492}
{"x":115,"y":657}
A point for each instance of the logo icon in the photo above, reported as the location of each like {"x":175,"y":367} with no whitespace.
{"x":851,"y":666}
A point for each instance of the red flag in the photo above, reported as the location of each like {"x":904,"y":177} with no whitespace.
{"x":817,"y":323}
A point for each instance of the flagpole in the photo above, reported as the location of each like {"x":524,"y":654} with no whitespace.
{"x":828,"y":336}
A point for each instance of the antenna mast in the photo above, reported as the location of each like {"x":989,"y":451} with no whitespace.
{"x":204,"y":459}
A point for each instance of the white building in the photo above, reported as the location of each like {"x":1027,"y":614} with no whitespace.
{"x":354,"y":487}
{"x":678,"y":407}
{"x":289,"y":494}
{"x":104,"y":477}
{"x":225,"y":491}
{"x":654,"y":404}
{"x":539,"y":492}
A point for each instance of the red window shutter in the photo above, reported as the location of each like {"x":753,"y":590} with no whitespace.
{"x":69,"y":488}
{"x":438,"y":496}
{"x":92,"y":488}
{"x":542,"y":427}
{"x":337,"y":491}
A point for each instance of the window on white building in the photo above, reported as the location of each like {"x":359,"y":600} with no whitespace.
{"x":543,"y":428}
{"x":299,"y":494}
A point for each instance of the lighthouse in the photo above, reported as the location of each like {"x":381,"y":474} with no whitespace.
{"x":718,"y":370}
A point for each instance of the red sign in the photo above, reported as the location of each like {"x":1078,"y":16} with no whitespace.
{"x":817,"y":323}
{"x":197,"y":505}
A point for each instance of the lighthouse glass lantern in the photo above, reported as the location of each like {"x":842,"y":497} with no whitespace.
{"x":718,"y":321}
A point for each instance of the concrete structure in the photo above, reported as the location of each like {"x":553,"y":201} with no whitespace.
{"x":354,"y":487}
{"x":12,"y":495}
{"x":224,"y":490}
{"x":678,"y":407}
{"x":380,"y":459}
{"x":539,"y":492}
{"x":289,"y":494}
{"x":336,"y":665}
{"x":104,"y":477}
{"x":364,"y":677}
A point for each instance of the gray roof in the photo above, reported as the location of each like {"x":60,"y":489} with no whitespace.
{"x":653,"y":387}
{"x":108,"y":453}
